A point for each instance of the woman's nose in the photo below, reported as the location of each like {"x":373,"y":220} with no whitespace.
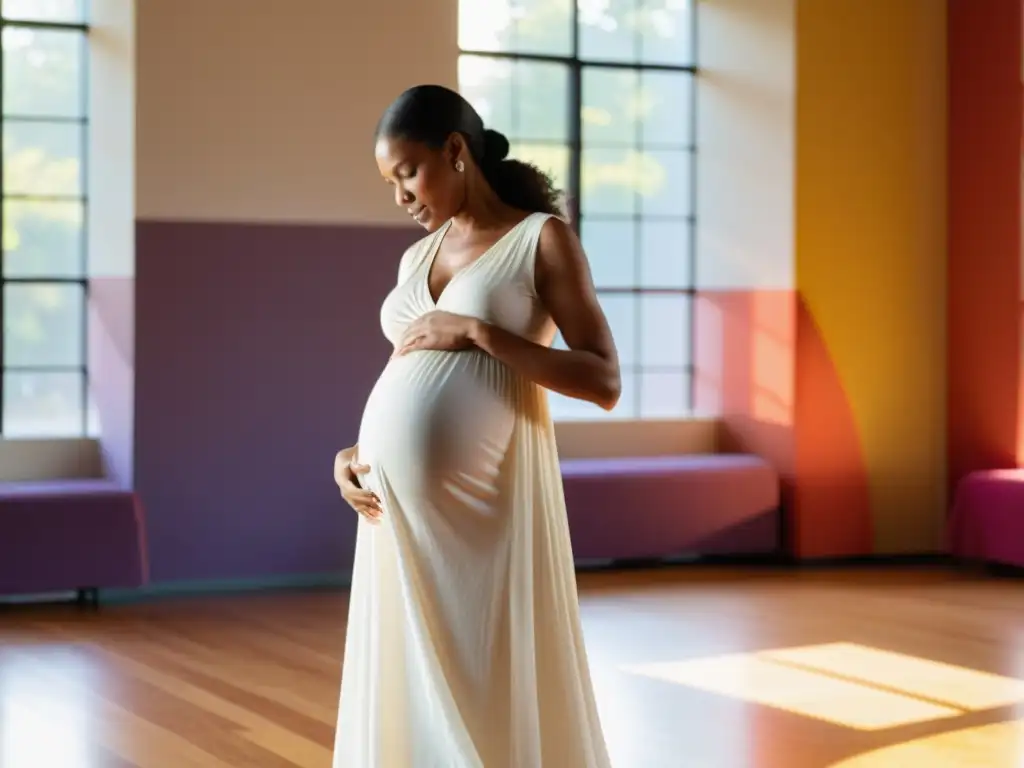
{"x":402,"y":197}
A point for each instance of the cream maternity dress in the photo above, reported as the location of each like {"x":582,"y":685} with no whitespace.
{"x":464,"y":647}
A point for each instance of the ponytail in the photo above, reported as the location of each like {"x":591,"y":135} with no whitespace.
{"x":524,"y":186}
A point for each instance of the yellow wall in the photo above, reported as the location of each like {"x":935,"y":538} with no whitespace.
{"x":871,"y":240}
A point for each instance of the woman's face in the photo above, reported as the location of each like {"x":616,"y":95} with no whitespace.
{"x":425,"y":181}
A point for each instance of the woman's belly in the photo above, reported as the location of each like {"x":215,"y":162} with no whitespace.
{"x":436,"y":429}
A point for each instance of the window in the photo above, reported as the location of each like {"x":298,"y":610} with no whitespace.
{"x":43,"y":277}
{"x":600,"y":94}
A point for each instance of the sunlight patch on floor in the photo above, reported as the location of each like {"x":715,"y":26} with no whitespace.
{"x":843,"y":683}
{"x":959,"y":687}
{"x":998,"y":745}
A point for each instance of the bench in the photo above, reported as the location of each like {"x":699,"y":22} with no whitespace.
{"x":987,"y":521}
{"x":70,"y":535}
{"x":664,"y":507}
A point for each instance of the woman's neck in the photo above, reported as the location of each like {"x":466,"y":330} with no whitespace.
{"x":483,"y":209}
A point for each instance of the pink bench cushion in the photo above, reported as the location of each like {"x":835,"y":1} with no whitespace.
{"x":987,"y":522}
{"x":651,"y":507}
{"x":70,"y":534}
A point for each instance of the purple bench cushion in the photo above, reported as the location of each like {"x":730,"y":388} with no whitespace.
{"x":661,"y":506}
{"x":666,"y":465}
{"x":987,"y":522}
{"x":70,"y":534}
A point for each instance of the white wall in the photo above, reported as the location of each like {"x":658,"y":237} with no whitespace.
{"x":746,"y":123}
{"x":111,"y":158}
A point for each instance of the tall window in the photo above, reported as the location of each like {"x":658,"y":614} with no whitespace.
{"x":43,"y":278}
{"x":600,"y":94}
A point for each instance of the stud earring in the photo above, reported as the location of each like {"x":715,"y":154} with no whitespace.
{"x":460,"y":166}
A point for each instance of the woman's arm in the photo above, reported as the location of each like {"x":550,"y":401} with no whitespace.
{"x":589,"y":369}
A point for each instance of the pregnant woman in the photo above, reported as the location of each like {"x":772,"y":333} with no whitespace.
{"x":464,"y":647}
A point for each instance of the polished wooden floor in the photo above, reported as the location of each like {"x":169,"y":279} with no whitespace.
{"x":711,"y":669}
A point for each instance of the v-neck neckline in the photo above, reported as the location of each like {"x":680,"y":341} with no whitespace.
{"x":443,"y":232}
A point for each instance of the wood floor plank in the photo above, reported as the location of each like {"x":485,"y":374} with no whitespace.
{"x":693,"y":668}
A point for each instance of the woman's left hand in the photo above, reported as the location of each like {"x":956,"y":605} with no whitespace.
{"x":437,"y":330}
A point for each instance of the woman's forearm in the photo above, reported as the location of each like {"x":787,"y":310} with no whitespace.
{"x":575,"y":373}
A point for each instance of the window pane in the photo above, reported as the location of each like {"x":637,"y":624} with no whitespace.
{"x":568,"y":409}
{"x":544,"y":26}
{"x":42,"y":404}
{"x":42,"y":72}
{"x":666,"y":32}
{"x":516,"y":26}
{"x":63,"y":11}
{"x":43,"y":324}
{"x":541,"y":103}
{"x":620,"y":309}
{"x":610,"y":182}
{"x":611,"y":251}
{"x":42,"y":239}
{"x":550,"y":158}
{"x":665,"y":260}
{"x":666,"y":102}
{"x":665,"y":182}
{"x":486,"y":83}
{"x":664,"y":395}
{"x":610,"y":112}
{"x":42,"y":158}
{"x":525,"y":100}
{"x":665,"y":330}
{"x":608,"y":30}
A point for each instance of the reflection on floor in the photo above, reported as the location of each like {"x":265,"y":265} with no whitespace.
{"x":693,"y":669}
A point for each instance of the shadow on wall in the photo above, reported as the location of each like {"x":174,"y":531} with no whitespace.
{"x":764,"y":369}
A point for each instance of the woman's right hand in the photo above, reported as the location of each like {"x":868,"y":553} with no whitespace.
{"x":346,"y":475}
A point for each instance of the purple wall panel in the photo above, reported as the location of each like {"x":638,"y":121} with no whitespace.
{"x":256,"y":346}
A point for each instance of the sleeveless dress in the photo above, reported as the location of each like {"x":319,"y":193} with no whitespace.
{"x":464,"y":647}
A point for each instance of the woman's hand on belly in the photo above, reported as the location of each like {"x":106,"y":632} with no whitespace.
{"x":346,"y":471}
{"x":437,"y":330}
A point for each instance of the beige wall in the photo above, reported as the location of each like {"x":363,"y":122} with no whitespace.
{"x":40,"y":460}
{"x":264,"y":110}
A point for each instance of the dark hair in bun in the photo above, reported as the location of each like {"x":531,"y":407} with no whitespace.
{"x":495,"y":146}
{"x":431,"y":113}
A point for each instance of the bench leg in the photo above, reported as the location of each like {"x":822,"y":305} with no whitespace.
{"x":88,"y":597}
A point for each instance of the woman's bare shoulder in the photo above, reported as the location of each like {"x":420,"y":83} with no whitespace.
{"x":559,"y":251}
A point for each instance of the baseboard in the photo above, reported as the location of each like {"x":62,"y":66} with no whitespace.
{"x":211,"y":587}
{"x":773,"y":560}
{"x":682,"y":560}
{"x":339,"y":580}
{"x":916,"y":559}
{"x":64,"y":596}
